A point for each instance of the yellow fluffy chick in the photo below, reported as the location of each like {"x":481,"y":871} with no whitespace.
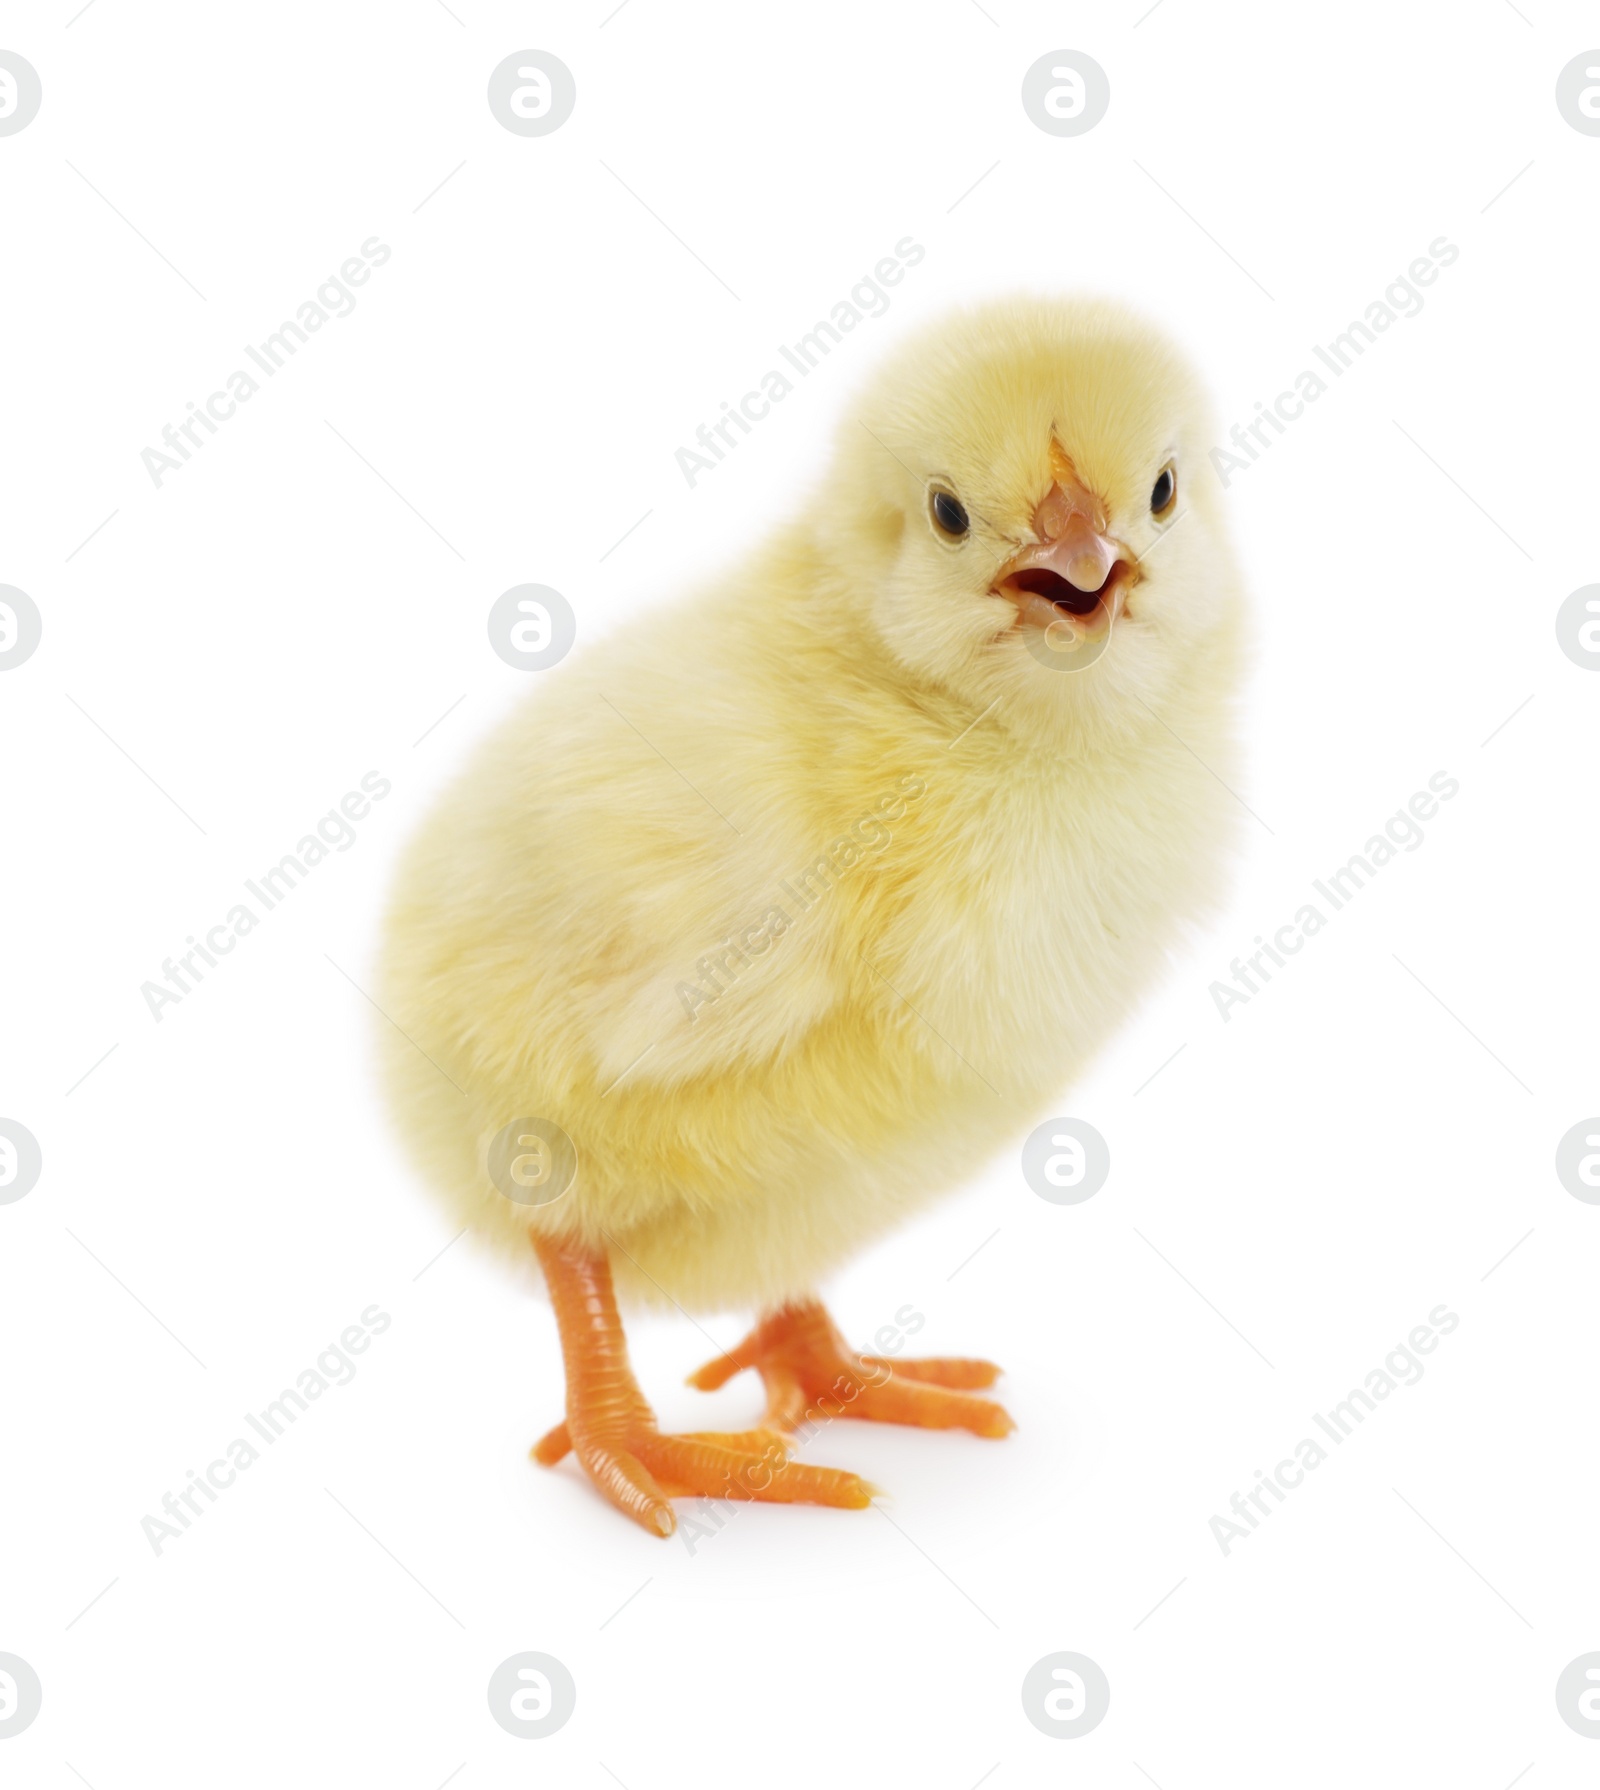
{"x":786,"y":908}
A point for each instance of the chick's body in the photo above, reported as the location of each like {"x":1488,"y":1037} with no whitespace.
{"x":797,"y":901}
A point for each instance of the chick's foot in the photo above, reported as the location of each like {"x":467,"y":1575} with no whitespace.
{"x":613,"y":1432}
{"x":811,"y":1375}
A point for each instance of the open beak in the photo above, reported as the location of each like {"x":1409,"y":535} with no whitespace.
{"x":1075,"y":572}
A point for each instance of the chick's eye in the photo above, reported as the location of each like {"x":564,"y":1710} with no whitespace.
{"x":1164,"y":493}
{"x":949,"y":516}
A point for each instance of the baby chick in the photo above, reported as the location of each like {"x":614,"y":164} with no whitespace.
{"x":770,"y":919}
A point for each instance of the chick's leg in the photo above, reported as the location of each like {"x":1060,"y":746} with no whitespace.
{"x":811,"y":1375}
{"x":613,"y":1431}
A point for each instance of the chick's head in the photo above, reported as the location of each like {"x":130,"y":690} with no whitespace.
{"x":1022,"y":508}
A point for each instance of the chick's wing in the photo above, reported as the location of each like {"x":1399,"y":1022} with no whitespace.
{"x":643,"y":864}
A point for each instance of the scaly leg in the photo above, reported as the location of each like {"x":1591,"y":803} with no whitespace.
{"x":810,"y":1374}
{"x":613,"y":1431}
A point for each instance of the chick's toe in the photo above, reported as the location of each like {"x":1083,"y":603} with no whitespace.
{"x":811,"y":1376}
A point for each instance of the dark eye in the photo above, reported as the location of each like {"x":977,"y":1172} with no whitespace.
{"x":1164,"y":493}
{"x":949,"y":516}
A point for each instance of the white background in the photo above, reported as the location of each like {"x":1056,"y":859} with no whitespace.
{"x":1366,"y":1139}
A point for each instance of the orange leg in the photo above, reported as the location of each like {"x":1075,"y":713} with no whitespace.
{"x":613,"y":1431}
{"x":811,"y":1375}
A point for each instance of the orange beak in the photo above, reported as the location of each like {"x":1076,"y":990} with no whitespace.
{"x":1075,"y":572}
